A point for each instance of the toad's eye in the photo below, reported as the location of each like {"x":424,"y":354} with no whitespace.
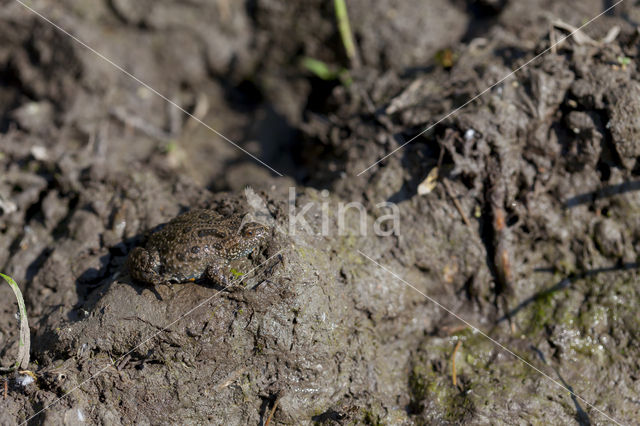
{"x":248,"y":233}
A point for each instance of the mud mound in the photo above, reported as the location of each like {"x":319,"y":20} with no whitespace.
{"x":528,"y":230}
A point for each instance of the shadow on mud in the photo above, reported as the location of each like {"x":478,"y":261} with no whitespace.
{"x":607,"y":191}
{"x":582,"y":417}
{"x":565,"y":283}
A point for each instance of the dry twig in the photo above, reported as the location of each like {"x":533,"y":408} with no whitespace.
{"x":273,"y":410}
{"x":453,"y":363}
{"x":456,"y":203}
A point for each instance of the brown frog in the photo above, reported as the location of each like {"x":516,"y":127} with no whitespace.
{"x":197,"y":244}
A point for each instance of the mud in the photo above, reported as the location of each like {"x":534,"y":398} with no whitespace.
{"x":530,"y":233}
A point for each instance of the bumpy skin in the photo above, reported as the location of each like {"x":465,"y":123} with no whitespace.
{"x":197,"y":244}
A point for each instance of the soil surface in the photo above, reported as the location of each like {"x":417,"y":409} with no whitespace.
{"x":506,"y":292}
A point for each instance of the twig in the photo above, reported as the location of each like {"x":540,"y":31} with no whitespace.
{"x":199,"y":112}
{"x":6,"y":387}
{"x":123,"y":362}
{"x":453,"y":363}
{"x":231,"y":378}
{"x":273,"y":410}
{"x":140,"y":124}
{"x":501,"y":240}
{"x":579,"y":37}
{"x":456,"y":203}
{"x":453,"y":330}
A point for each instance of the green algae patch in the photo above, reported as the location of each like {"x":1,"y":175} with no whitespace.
{"x":434,"y":396}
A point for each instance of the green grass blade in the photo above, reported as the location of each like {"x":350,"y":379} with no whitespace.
{"x":22,"y":361}
{"x":319,"y":68}
{"x":344,"y":27}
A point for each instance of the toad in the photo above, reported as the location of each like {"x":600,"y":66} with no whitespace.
{"x":197,"y":244}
